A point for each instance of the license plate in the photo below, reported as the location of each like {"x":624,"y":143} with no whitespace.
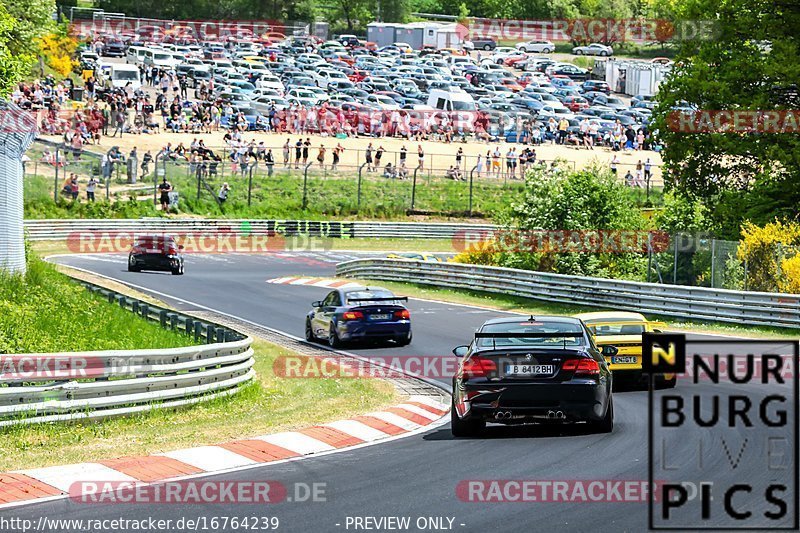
{"x":624,"y":360}
{"x":379,"y":317}
{"x":529,"y":370}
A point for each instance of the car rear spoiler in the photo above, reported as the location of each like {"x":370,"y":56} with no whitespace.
{"x":493,"y":336}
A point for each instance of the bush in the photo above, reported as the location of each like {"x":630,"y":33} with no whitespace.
{"x":582,"y":201}
{"x":770,"y":253}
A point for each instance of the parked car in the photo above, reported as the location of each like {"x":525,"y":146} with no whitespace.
{"x":594,"y":49}
{"x":481,"y":44}
{"x":538,"y":47}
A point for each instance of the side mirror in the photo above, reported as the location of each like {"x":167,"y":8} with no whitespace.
{"x":657,"y":331}
{"x":460,"y":351}
{"x":609,"y":351}
{"x":316,"y":304}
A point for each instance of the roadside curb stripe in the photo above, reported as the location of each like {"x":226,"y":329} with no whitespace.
{"x":380,"y":425}
{"x":414,"y":417}
{"x":259,"y":450}
{"x":28,"y":486}
{"x":209,"y":458}
{"x":19,"y":487}
{"x":329,"y":435}
{"x":149,"y":468}
{"x":62,"y":477}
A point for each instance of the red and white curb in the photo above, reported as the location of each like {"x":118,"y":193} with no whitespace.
{"x":416,"y":414}
{"x":329,"y":283}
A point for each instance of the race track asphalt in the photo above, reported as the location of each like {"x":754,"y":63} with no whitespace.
{"x":417,"y":476}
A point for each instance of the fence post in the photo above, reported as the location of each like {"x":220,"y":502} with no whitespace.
{"x":471,"y":173}
{"x":713,"y":260}
{"x":360,"y":169}
{"x":674,"y":260}
{"x":414,"y":188}
{"x":160,"y":154}
{"x":55,"y":182}
{"x":305,"y":185}
{"x":250,"y":184}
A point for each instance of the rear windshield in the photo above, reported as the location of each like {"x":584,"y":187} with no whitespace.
{"x":632,"y":328}
{"x":571,"y":329}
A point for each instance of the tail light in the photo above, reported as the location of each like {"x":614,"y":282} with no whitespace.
{"x":478,"y":367}
{"x":585,"y":367}
{"x":352,"y":315}
{"x":402,"y":314}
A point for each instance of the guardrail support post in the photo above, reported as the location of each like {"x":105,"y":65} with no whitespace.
{"x":220,"y":334}
{"x":145,"y":310}
{"x":173,"y":321}
{"x":209,"y":333}
{"x":162,"y":318}
{"x":188,"y":325}
{"x":198,"y":330}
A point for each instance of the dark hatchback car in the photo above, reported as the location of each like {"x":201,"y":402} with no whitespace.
{"x":156,"y":252}
{"x":484,"y":44}
{"x":359,"y":314}
{"x":520,"y":371}
{"x":114,"y":48}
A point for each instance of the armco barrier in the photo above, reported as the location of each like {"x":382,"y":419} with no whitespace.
{"x":121,"y":382}
{"x":60,"y":229}
{"x":694,"y":303}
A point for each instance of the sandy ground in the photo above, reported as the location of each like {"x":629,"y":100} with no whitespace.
{"x":439,"y":156}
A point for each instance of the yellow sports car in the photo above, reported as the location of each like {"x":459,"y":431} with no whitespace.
{"x":624,"y":331}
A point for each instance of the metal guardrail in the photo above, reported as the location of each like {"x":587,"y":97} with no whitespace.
{"x":693,"y":303}
{"x":122,"y":382}
{"x":60,"y":229}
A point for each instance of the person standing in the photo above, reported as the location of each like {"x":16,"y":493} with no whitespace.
{"x":647,"y":168}
{"x":421,"y":158}
{"x":298,"y":153}
{"x":614,"y":164}
{"x":403,"y":155}
{"x":368,"y":158}
{"x":479,"y":166}
{"x":336,"y":153}
{"x":165,"y":188}
{"x":306,"y":147}
{"x":146,"y":160}
{"x":496,"y":162}
{"x":287,"y":150}
{"x":222,"y":196}
{"x":321,"y":156}
{"x":459,"y":157}
{"x":269,"y":160}
{"x":378,"y":156}
{"x":90,"y":188}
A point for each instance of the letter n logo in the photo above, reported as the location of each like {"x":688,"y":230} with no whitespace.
{"x":663,"y":353}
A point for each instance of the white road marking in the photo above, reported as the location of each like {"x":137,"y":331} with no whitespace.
{"x":63,"y":477}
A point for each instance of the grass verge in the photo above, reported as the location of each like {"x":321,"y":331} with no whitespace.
{"x":45,"y":311}
{"x":267,"y":405}
{"x":529,"y":306}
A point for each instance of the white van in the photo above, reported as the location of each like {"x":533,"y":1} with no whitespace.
{"x":135,"y":55}
{"x":121,"y":74}
{"x":451,"y":100}
{"x":154,"y":57}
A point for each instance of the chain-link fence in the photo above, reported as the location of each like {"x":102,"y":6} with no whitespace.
{"x":697,"y":260}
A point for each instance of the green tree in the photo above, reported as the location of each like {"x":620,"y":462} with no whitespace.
{"x":751,"y":61}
